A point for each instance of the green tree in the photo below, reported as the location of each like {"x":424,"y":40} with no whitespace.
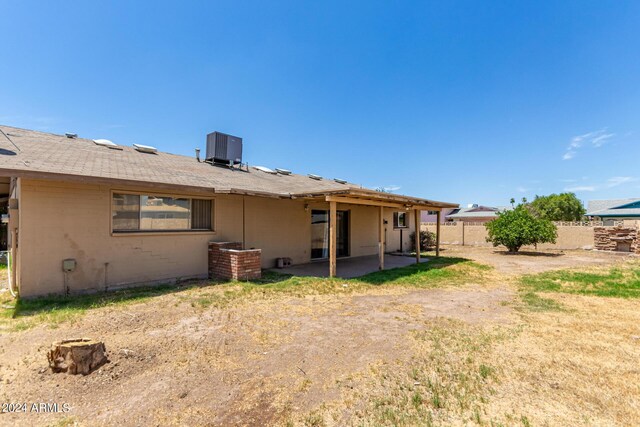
{"x":558,"y":207}
{"x":518,"y":227}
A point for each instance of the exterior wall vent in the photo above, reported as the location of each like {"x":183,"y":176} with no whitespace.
{"x":223,"y":148}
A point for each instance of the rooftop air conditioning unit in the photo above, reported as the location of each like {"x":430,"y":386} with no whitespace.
{"x":223,"y":148}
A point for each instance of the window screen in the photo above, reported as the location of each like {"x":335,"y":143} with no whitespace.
{"x":201,"y":214}
{"x":126,"y":212}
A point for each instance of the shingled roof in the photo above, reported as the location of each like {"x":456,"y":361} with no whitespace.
{"x":615,"y":208}
{"x":36,"y":154}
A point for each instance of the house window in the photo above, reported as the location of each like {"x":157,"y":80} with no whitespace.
{"x":138,"y":212}
{"x":400,"y":220}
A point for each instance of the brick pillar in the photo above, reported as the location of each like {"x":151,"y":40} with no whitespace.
{"x":214,"y":253}
{"x":228,"y":261}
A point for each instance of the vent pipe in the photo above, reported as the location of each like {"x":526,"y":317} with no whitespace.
{"x":198,"y":155}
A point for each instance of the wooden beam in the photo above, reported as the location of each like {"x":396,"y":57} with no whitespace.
{"x":438,"y":233}
{"x":381,"y":238}
{"x":354,"y":201}
{"x":333,"y":218}
{"x":417,"y":239}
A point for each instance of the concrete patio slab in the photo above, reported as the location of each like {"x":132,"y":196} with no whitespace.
{"x":349,"y":267}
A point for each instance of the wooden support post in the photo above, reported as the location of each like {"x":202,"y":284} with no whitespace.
{"x":381,"y":238}
{"x":417,"y":239}
{"x":438,"y":233}
{"x":333,"y":218}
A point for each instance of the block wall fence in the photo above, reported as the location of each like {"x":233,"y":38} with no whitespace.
{"x":578,"y":235}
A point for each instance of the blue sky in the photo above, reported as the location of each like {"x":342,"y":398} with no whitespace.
{"x":457,"y":101}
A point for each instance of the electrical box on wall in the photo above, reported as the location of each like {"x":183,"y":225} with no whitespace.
{"x":68,"y":265}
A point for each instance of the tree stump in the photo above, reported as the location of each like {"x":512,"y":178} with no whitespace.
{"x":77,"y":356}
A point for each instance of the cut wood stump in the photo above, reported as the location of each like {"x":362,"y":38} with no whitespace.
{"x":77,"y":356}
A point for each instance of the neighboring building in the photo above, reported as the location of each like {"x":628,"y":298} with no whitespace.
{"x":610,"y":211}
{"x":88,"y":215}
{"x":432,"y":216}
{"x":475,"y":213}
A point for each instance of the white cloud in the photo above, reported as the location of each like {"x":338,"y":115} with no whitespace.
{"x":522,"y":189}
{"x":619,"y":180}
{"x":580,"y":188}
{"x":596,"y":139}
{"x":390,"y":188}
{"x":609,"y":183}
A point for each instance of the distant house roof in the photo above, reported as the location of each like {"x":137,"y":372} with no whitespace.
{"x":476,"y":212}
{"x":614,"y":208}
{"x":28,"y":153}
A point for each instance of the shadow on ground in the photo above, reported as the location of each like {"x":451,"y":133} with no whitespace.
{"x":411,"y":271}
{"x":530,"y":253}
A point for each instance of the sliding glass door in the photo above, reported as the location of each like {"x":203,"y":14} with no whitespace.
{"x":320,"y":234}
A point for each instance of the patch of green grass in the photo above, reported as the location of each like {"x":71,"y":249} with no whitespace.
{"x":619,"y":282}
{"x":437,"y":271}
{"x":20,"y":314}
{"x":534,"y":302}
{"x":485,"y":371}
{"x":314,"y":420}
{"x":65,"y":422}
{"x":17,"y":315}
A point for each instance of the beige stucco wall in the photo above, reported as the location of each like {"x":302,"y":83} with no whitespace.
{"x":61,"y":220}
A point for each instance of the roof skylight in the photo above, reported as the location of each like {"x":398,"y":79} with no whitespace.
{"x":105,"y":143}
{"x":145,"y":148}
{"x":265,"y":169}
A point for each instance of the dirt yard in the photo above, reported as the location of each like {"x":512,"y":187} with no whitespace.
{"x":470,"y":352}
{"x":534,"y":262}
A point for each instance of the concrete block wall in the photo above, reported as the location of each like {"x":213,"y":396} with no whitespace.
{"x":570,"y":236}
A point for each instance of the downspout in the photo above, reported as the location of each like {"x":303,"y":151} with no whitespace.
{"x":10,"y":265}
{"x":14,"y":240}
{"x":244,"y":244}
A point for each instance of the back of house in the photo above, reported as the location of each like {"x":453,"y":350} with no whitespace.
{"x":89,"y":215}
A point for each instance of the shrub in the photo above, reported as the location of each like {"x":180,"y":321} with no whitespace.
{"x":427,"y":240}
{"x":518,"y":227}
